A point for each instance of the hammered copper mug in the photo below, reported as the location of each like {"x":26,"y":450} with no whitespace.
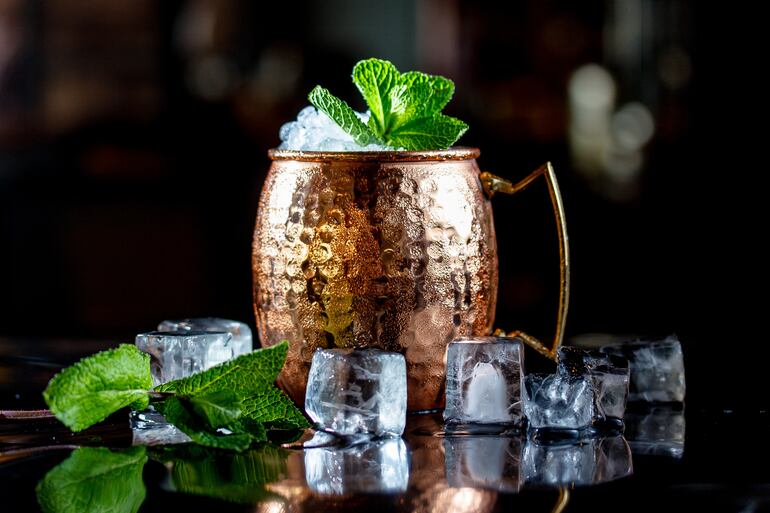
{"x":394,"y":250}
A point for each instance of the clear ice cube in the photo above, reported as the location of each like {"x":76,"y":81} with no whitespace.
{"x":376,"y":466}
{"x":558,"y":401}
{"x":352,"y":391}
{"x":657,"y":369}
{"x":609,"y":376}
{"x":483,"y":384}
{"x":484,"y":462}
{"x":240,"y":343}
{"x":178,"y":354}
{"x":149,"y":427}
{"x":590,"y":462}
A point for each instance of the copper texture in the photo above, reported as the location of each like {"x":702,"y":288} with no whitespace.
{"x":394,"y":250}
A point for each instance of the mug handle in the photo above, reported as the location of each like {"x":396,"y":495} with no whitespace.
{"x":493,"y":184}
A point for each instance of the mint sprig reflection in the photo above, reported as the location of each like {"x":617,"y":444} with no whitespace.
{"x":97,"y":479}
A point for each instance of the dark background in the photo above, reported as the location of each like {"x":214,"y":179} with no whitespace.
{"x":133,"y":139}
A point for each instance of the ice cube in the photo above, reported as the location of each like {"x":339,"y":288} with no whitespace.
{"x":240,"y":343}
{"x":484,"y":462}
{"x":376,"y":466}
{"x":657,"y":369}
{"x":149,"y":427}
{"x":609,"y":377}
{"x":659,"y":431}
{"x":484,"y":377}
{"x":558,"y":401}
{"x":352,"y":391}
{"x":178,"y":354}
{"x":593,"y":461}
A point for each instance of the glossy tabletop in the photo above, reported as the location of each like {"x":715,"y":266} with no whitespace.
{"x":668,"y":459}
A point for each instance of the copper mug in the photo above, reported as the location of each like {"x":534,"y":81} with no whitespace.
{"x":394,"y":250}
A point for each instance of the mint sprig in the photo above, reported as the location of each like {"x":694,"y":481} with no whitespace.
{"x":405,"y":108}
{"x":230,"y":406}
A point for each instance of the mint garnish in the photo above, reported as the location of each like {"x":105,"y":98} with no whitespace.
{"x":95,"y":480}
{"x":405,"y":108}
{"x":95,"y":387}
{"x":229,"y":406}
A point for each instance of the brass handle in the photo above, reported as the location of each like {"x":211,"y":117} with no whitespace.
{"x":493,"y":184}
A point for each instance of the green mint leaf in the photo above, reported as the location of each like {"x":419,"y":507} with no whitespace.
{"x":238,"y":478}
{"x":273,"y":409}
{"x":99,"y":385}
{"x":441,"y":90}
{"x":409,"y":103}
{"x":375,"y":78}
{"x":248,"y":372}
{"x":219,"y":409}
{"x":180,"y":413}
{"x":95,"y":480}
{"x":342,"y":114}
{"x":431,"y":133}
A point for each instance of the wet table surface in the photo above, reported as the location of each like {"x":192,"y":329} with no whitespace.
{"x":667,"y":459}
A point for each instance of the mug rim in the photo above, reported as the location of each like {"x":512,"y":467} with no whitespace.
{"x":454,"y":153}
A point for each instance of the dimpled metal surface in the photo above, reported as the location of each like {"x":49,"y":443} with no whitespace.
{"x":393,"y":250}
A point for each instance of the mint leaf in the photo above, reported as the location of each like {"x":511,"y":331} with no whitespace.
{"x":219,"y":409}
{"x":99,"y":385}
{"x":374,"y":78}
{"x":95,"y":480}
{"x":409,"y":103}
{"x":342,"y":114}
{"x":178,"y":412}
{"x":273,"y":409}
{"x":427,"y":133}
{"x":441,"y":90}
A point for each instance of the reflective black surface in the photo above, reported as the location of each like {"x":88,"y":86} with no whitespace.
{"x":667,"y":460}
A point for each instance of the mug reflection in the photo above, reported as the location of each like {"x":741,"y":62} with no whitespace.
{"x":376,"y":466}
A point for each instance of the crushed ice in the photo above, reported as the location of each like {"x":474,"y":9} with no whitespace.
{"x":315,"y":131}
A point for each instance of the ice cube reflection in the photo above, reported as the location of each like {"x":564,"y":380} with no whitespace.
{"x":483,"y":462}
{"x":659,"y":431}
{"x":375,"y":466}
{"x":591,"y":462}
